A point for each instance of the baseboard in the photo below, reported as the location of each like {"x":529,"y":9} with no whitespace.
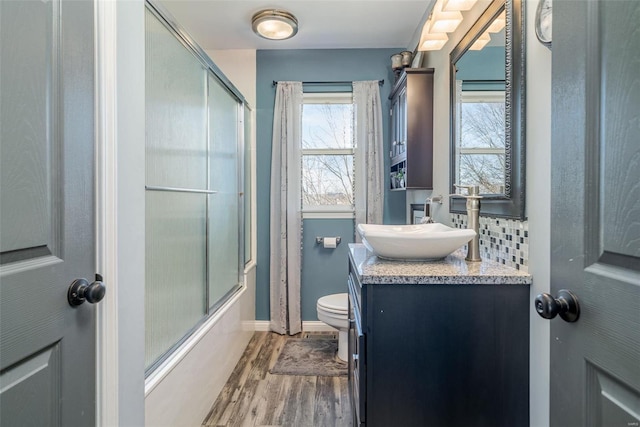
{"x":307,"y":326}
{"x":260,"y":325}
{"x":316,"y":326}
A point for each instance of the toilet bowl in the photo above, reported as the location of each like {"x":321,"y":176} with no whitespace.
{"x":334,"y":311}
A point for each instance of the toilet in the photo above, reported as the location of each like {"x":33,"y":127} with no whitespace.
{"x":334,"y":311}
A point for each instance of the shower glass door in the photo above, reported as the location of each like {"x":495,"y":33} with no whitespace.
{"x":194,"y":219}
{"x":224,"y":258}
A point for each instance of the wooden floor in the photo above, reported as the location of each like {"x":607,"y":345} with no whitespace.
{"x":254,"y":397}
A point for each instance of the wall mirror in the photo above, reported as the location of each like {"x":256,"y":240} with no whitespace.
{"x":487,"y":111}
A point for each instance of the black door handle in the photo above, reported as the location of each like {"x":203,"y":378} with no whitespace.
{"x":81,"y":291}
{"x":566,"y":305}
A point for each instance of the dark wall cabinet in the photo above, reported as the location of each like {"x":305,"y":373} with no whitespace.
{"x":411,"y":153}
{"x":439,"y":355}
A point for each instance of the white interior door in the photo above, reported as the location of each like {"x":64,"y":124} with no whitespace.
{"x":47,"y":347}
{"x":595,"y":229}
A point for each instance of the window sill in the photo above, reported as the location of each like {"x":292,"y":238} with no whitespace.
{"x":328,"y":215}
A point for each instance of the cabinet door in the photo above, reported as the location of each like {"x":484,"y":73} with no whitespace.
{"x":394,"y":126}
{"x":356,"y":355}
{"x":402,"y":121}
{"x":436,"y":358}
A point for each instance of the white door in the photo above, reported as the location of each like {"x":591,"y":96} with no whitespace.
{"x":595,"y":229}
{"x":47,"y":237}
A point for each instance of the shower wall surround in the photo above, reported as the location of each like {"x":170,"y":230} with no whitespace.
{"x":502,"y":240}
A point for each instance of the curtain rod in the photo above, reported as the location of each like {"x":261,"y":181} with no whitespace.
{"x":380,"y":82}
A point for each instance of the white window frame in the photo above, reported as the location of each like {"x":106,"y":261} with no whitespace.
{"x":476,"y":97}
{"x":326,"y":211}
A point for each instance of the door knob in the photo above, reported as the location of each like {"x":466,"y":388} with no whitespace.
{"x":81,"y":291}
{"x":566,"y":305}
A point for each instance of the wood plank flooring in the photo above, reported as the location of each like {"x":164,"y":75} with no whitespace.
{"x":254,"y":397}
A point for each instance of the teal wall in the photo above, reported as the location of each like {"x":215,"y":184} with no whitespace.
{"x":323,"y":270}
{"x":485,"y":64}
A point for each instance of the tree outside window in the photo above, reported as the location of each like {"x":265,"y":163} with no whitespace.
{"x":481,"y":146}
{"x":327,"y":150}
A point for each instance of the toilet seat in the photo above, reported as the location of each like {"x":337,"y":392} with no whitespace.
{"x":335,"y":303}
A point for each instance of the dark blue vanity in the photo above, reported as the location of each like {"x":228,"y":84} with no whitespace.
{"x":438,"y":344}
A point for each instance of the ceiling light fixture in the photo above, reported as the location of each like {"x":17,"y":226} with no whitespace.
{"x":274,"y":24}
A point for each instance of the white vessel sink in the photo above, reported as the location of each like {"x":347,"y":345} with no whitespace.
{"x":418,"y":242}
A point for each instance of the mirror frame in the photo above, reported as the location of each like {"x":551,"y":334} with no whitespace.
{"x":511,"y":204}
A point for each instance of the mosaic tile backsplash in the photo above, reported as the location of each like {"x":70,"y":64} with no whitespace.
{"x":505,"y":241}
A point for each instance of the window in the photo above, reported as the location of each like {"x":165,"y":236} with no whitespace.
{"x":328,"y":155}
{"x":481,"y":155}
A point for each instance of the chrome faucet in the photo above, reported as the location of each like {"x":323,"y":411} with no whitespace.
{"x":428,"y":202}
{"x":473,"y":217}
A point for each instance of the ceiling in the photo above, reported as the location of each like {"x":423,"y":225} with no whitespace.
{"x":328,"y":24}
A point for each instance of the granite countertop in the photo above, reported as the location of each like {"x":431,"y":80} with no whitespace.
{"x":451,"y":270}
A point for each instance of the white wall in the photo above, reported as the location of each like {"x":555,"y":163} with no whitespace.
{"x":181,"y":392}
{"x":239,"y":65}
{"x":538,"y":210}
{"x":120,"y":208}
{"x":439,"y":60}
{"x":131,"y":210}
{"x":538,"y":140}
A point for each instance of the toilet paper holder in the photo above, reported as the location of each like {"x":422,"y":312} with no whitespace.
{"x":320,"y":240}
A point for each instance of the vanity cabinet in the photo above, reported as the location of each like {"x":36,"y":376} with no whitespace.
{"x":412,"y":129}
{"x":438,"y":354}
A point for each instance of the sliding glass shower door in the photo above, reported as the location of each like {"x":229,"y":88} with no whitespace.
{"x":224,"y":178}
{"x":193,"y":199}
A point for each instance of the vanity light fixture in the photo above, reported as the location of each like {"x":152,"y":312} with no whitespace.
{"x":498,"y":24}
{"x":433,"y":42}
{"x":274,"y":24}
{"x":430,"y":40}
{"x":445,"y":22}
{"x":457,"y":5}
{"x":481,"y":42}
{"x":442,"y":21}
